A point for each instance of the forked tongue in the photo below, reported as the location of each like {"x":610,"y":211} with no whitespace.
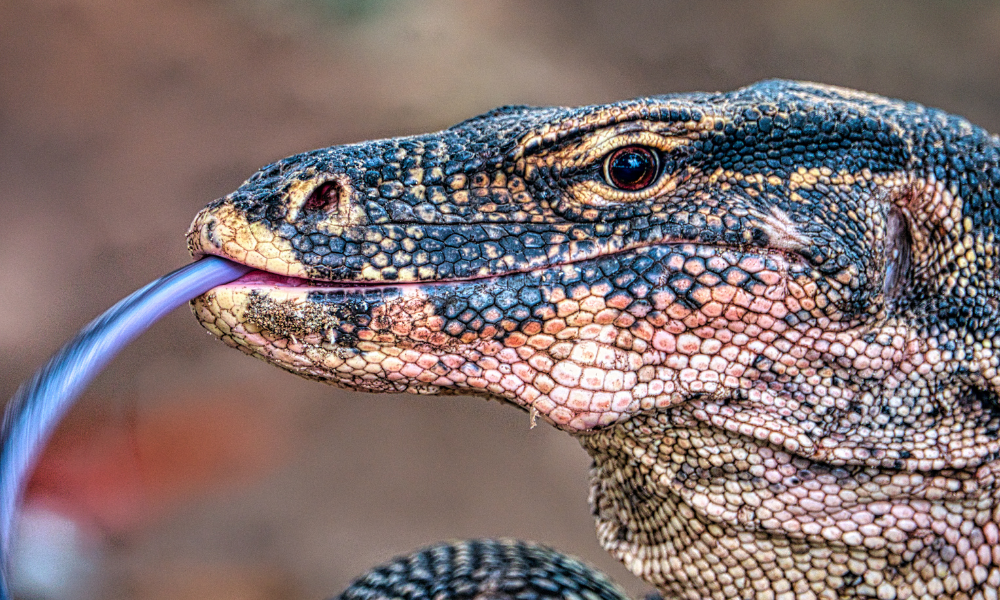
{"x":40,"y":402}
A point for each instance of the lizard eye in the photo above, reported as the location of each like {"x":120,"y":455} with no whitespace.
{"x":631,"y":168}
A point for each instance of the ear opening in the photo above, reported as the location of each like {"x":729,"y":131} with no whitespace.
{"x":898,"y":253}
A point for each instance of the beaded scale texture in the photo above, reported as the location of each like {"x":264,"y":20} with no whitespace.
{"x":777,"y":346}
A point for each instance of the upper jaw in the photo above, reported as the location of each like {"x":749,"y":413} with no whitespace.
{"x":398,"y":254}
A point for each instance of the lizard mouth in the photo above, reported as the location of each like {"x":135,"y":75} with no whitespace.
{"x":263,"y":278}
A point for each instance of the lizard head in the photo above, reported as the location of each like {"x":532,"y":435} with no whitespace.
{"x":736,"y":301}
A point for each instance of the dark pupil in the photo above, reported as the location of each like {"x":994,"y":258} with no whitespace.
{"x":631,"y":168}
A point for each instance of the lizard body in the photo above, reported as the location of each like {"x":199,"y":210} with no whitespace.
{"x":768,"y":315}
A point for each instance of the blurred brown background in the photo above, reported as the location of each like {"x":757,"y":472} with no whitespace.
{"x":193,"y":471}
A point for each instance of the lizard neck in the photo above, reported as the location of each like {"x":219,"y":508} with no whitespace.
{"x":703,"y":513}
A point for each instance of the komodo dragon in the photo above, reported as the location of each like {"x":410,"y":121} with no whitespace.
{"x":768,"y":315}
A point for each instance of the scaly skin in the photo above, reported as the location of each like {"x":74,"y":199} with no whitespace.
{"x":779,"y":353}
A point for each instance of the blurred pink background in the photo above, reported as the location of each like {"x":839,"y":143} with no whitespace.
{"x":192,"y":471}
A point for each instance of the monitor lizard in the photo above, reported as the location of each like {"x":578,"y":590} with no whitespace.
{"x":768,"y":316}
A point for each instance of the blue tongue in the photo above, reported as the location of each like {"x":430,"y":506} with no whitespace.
{"x":40,"y":402}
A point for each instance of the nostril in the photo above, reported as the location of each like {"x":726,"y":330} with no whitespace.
{"x":328,"y":198}
{"x":324,"y":198}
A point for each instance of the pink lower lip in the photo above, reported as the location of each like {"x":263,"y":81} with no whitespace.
{"x":265,"y":279}
{"x":257,"y":277}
